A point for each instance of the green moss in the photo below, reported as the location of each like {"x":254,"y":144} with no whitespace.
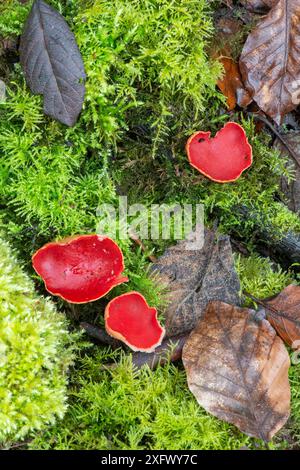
{"x":261,"y":277}
{"x":146,"y":65}
{"x":52,"y":179}
{"x":171,"y":179}
{"x":126,"y":409}
{"x":294,"y":424}
{"x":35,"y":353}
{"x":150,"y":84}
{"x":12,"y":17}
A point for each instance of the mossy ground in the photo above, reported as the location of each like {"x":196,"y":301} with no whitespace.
{"x":36,"y":350}
{"x":147,"y":90}
{"x":128,"y":409}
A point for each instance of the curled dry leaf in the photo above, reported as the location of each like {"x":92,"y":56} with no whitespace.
{"x":231,"y":84}
{"x":194,"y":277}
{"x":237,"y":368}
{"x":269,"y":62}
{"x":283,"y":312}
{"x":52,"y":63}
{"x":291,"y":189}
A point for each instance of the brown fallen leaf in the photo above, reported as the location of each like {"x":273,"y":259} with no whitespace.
{"x":283,"y":312}
{"x":231,"y":84}
{"x":237,"y":368}
{"x":194,"y":277}
{"x":269,"y":62}
{"x":259,"y":5}
{"x":291,"y":189}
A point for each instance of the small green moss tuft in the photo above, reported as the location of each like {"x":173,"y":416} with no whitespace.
{"x":260,"y":276}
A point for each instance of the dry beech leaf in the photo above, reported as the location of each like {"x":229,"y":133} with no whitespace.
{"x":52,"y":63}
{"x":291,"y":189}
{"x":269,"y":62}
{"x":194,"y":277}
{"x":283,"y":312}
{"x":237,"y":368}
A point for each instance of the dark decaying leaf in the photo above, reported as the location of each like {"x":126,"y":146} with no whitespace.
{"x":194,"y":277}
{"x":259,"y":5}
{"x":283,"y":312}
{"x":291,"y":189}
{"x":52,"y":63}
{"x":237,"y":368}
{"x":269,"y":62}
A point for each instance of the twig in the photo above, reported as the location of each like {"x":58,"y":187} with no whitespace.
{"x":286,"y":245}
{"x":138,"y":242}
{"x":100,"y":335}
{"x":278,"y":135}
{"x":169,"y":351}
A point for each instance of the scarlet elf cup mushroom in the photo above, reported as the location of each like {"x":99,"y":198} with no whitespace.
{"x":222,"y":158}
{"x":129,"y":318}
{"x":80,"y":269}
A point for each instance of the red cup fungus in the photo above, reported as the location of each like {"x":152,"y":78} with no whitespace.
{"x":130,"y":319}
{"x":222,"y":158}
{"x":80,"y":269}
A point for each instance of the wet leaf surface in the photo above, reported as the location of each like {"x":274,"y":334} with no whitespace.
{"x":52,"y":63}
{"x":269,"y":62}
{"x":194,"y":277}
{"x":237,"y":368}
